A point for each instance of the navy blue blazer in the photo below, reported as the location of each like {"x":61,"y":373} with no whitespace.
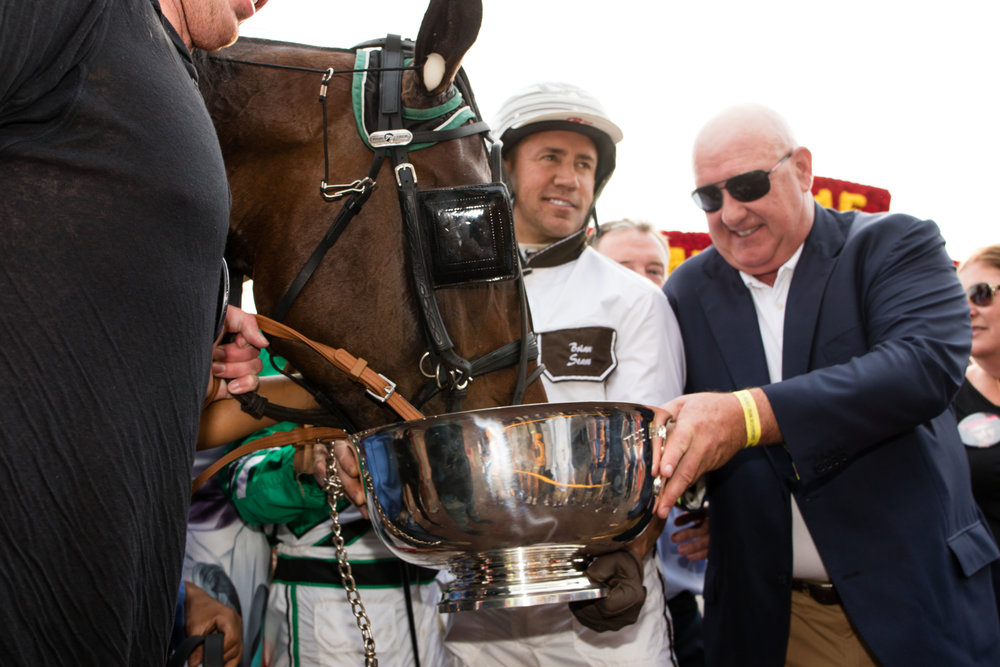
{"x":876,"y":340}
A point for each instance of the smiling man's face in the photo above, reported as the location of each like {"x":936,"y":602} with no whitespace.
{"x":760,"y":235}
{"x":552,"y":176}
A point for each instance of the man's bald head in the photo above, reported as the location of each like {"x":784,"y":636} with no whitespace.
{"x":759,"y":234}
{"x":748,"y":125}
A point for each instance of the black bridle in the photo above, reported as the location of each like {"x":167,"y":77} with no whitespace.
{"x":443,"y":367}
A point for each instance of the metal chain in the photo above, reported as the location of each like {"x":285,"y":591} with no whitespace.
{"x":334,"y":491}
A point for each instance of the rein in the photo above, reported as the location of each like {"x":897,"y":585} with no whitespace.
{"x":296,"y":436}
{"x":312,"y":70}
{"x":378,"y":386}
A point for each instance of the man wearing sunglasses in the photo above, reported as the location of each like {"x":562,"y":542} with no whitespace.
{"x":822,"y":351}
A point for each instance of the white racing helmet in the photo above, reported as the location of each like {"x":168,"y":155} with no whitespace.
{"x":560,"y":106}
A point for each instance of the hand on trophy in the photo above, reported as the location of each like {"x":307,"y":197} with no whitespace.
{"x":700,"y":432}
{"x":621,"y":572}
{"x":315,"y":462}
{"x":350,"y":473}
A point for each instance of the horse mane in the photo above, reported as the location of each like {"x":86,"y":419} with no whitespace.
{"x":212,"y":71}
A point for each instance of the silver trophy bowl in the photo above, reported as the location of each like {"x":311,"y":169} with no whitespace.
{"x":515,"y":501}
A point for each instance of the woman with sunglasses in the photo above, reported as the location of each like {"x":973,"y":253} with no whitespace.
{"x":977,"y":404}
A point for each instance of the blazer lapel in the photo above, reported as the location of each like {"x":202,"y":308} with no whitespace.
{"x":731,"y":316}
{"x":732,"y":320}
{"x":819,"y":256}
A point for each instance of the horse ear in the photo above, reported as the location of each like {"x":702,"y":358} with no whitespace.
{"x":447,"y":31}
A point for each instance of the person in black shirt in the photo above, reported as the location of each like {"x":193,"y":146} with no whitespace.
{"x":114,"y":216}
{"x":977,"y":404}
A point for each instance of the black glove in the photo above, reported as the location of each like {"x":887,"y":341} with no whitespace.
{"x":621,"y":572}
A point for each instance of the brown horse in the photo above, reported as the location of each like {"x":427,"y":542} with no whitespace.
{"x":362,"y":295}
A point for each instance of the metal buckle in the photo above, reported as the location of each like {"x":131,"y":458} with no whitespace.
{"x":459,"y":381}
{"x":405,"y":165}
{"x":359,"y":185}
{"x":384,"y":138}
{"x":325,"y":82}
{"x":429,"y":373}
{"x":389,"y":389}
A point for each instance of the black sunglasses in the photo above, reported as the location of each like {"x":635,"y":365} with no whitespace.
{"x":750,"y":186}
{"x":981,"y":294}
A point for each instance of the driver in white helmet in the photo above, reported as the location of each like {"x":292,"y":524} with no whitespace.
{"x":605,"y":333}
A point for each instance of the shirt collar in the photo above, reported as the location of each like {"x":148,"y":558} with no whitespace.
{"x":788,"y":268}
{"x":563,"y":251}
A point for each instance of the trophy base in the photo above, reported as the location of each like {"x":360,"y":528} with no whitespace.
{"x":518,"y":577}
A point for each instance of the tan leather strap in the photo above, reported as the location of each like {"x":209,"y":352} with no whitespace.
{"x":212,"y":391}
{"x":378,"y":385}
{"x":304,"y":434}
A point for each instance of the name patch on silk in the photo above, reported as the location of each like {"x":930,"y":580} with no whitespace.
{"x":586,"y":353}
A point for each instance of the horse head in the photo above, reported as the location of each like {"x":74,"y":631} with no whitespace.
{"x":362,"y":294}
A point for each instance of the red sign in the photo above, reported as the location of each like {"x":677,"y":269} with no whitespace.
{"x":846,"y":196}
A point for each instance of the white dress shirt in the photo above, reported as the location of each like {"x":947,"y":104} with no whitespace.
{"x":769,"y":301}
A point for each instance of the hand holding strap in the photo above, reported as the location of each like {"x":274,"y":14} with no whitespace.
{"x":357,"y":368}
{"x":278,"y":439}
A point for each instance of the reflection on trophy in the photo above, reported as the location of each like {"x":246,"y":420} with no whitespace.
{"x":513,"y":501}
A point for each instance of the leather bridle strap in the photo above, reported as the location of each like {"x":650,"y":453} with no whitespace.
{"x":279,"y":439}
{"x":460,"y":132}
{"x":378,"y":386}
{"x":528,"y":349}
{"x":350,"y":209}
{"x":390,"y":116}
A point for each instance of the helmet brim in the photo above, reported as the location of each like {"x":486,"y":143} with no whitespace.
{"x":603,"y":142}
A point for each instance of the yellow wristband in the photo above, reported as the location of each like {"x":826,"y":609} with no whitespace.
{"x":750,"y":415}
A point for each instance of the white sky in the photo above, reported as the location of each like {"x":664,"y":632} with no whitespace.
{"x":899,"y":95}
